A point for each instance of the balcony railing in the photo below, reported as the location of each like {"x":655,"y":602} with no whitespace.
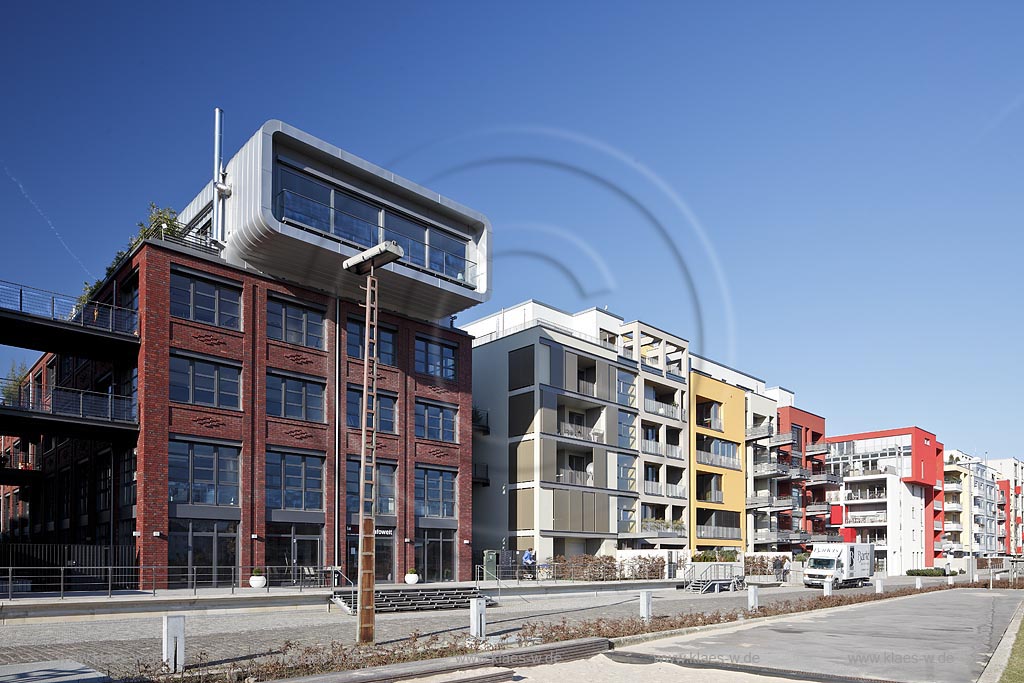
{"x":67,"y":309}
{"x":759,"y":432}
{"x":627,"y":526}
{"x":770,"y":469}
{"x":674,"y":451}
{"x":652,"y":447}
{"x":816,"y":448}
{"x":955,"y":485}
{"x":953,"y":507}
{"x":866,"y":519}
{"x":716,"y":460}
{"x":586,"y":387}
{"x":937,"y":504}
{"x":799,"y":472}
{"x":652,"y":361}
{"x":481,"y":420}
{"x":818,"y":508}
{"x":653,"y":488}
{"x":728,"y":533}
{"x":865,"y":496}
{"x":651,"y":525}
{"x":579,"y":432}
{"x":781,"y":439}
{"x":63,"y":402}
{"x":711,"y":423}
{"x":954,"y":526}
{"x":675,"y":490}
{"x":575,"y":477}
{"x":766,"y":536}
{"x":710,"y":497}
{"x":824,"y":537}
{"x":826,"y":478}
{"x":755,"y":502}
{"x":321,"y":218}
{"x":658,"y":408}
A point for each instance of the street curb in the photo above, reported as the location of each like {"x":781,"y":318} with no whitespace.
{"x":1001,"y":657}
{"x":625,"y":641}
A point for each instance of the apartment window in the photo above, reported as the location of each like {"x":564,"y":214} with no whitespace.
{"x":411,"y":236}
{"x":295,"y":398}
{"x":126,"y":477}
{"x":435,"y":493}
{"x":435,"y":358}
{"x":203,"y":383}
{"x":385,"y":497}
{"x":386,"y":342}
{"x":435,"y":421}
{"x":627,"y":430}
{"x":709,"y":414}
{"x":202,"y":473}
{"x":447,"y":255}
{"x":625,"y":391}
{"x":294,"y":482}
{"x":205,"y":302}
{"x":295,"y":324}
{"x":385,"y":410}
{"x":626,"y":473}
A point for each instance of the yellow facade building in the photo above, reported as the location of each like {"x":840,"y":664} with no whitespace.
{"x":717,"y":476}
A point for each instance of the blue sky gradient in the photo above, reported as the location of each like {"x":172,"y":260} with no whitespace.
{"x":838,"y":187}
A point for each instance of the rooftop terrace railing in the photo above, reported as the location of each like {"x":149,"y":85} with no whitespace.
{"x":64,"y":308}
{"x":62,"y":402}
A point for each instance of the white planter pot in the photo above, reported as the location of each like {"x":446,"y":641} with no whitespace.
{"x":412,"y":579}
{"x":258,"y":581}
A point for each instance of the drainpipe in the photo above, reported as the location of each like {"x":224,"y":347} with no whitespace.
{"x":337,"y":430}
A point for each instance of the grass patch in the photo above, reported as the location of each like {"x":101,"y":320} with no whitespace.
{"x":1014,"y":672}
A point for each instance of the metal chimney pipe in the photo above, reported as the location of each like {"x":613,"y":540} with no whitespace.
{"x":218,"y":169}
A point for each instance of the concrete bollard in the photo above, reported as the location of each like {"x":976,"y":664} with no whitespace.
{"x":879,"y":587}
{"x":174,"y":643}
{"x":646,"y":598}
{"x":827,"y":589}
{"x":949,"y":580}
{"x":917,"y":582}
{"x":752,"y":598}
{"x":478,"y":617}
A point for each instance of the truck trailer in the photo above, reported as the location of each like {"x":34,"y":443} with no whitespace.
{"x":841,"y":564}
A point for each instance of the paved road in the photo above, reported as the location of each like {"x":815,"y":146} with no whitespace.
{"x":945,"y":637}
{"x":116,"y":645}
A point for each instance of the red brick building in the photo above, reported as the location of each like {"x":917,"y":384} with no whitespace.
{"x":242,"y":446}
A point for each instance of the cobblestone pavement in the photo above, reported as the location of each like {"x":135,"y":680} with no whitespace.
{"x":118,"y":645}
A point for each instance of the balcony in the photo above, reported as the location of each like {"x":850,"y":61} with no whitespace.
{"x":715,"y":460}
{"x":674,"y":451}
{"x":866,"y":520}
{"x":954,"y":526}
{"x":627,"y":526}
{"x":653,"y":488}
{"x":953,"y":507}
{"x":759,"y":432}
{"x":711,"y":497}
{"x":937,"y":504}
{"x":799,"y":472}
{"x":1001,"y":532}
{"x":662,"y":527}
{"x":586,"y":387}
{"x":955,"y":485}
{"x":758,"y":502}
{"x":938,"y":484}
{"x":574,"y":477}
{"x":818,"y":508}
{"x":825,"y":537}
{"x":73,"y":413}
{"x":816,"y":448}
{"x":1001,"y":516}
{"x":664,"y":409}
{"x":766,"y":536}
{"x":675,"y":491}
{"x":824,"y":479}
{"x":652,"y":447}
{"x":781,"y":439}
{"x":728,"y":533}
{"x":857,"y":497}
{"x":770,"y":469}
{"x":481,"y":421}
{"x":580,"y":432}
{"x":481,"y":474}
{"x":938,"y":525}
{"x":952,"y":547}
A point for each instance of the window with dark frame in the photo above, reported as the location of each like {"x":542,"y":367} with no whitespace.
{"x":438,"y":422}
{"x":204,"y":383}
{"x":295,"y":324}
{"x":436,"y":358}
{"x":202,"y":473}
{"x":295,"y":398}
{"x":294,"y":481}
{"x":435,"y":493}
{"x":385,"y":411}
{"x":387,"y":346}
{"x":205,"y":301}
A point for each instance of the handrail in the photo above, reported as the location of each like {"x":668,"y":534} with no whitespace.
{"x":65,"y":308}
{"x":67,"y":402}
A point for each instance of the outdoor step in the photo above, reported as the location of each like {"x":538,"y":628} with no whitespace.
{"x":412,"y":599}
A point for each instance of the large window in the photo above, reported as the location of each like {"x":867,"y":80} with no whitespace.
{"x":625,"y":388}
{"x":295,"y":324}
{"x":412,"y":237}
{"x":435,"y":421}
{"x":203,"y":383}
{"x":448,"y":255}
{"x":385,"y":410}
{"x":202,"y":473}
{"x":385,"y":497}
{"x":295,"y":398}
{"x":435,"y":493}
{"x":294,"y":482}
{"x":435,"y":358}
{"x":627,"y":430}
{"x":205,"y":301}
{"x":386,"y":342}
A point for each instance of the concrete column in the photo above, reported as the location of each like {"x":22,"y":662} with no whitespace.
{"x":174,"y":643}
{"x":752,"y":605}
{"x":478,"y":617}
{"x":645,"y":605}
{"x":879,"y":587}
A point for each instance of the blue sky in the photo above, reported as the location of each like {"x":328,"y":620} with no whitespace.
{"x":842,"y":184}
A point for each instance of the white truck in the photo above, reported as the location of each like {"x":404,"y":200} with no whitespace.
{"x":841,"y":564}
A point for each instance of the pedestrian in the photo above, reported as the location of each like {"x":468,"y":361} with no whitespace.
{"x":528,"y":563}
{"x":777,"y":567}
{"x":786,"y":566}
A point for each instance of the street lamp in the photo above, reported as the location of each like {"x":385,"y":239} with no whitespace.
{"x":365,"y":263}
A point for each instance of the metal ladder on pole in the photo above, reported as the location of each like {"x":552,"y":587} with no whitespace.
{"x":367,"y":537}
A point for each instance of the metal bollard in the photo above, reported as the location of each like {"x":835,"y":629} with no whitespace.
{"x":478,"y":617}
{"x":826,"y":588}
{"x":174,"y":643}
{"x":917,"y":582}
{"x":879,"y":587}
{"x":645,"y":605}
{"x":752,"y":605}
